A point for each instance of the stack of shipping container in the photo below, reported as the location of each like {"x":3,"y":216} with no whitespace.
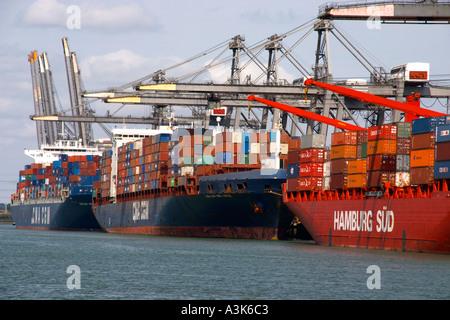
{"x":422,"y":151}
{"x":402,"y":160}
{"x":181,"y":158}
{"x":400,"y":154}
{"x":381,"y":155}
{"x":76,"y":174}
{"x":442,"y":158}
{"x":313,"y":155}
{"x":343,"y":154}
{"x":430,"y":157}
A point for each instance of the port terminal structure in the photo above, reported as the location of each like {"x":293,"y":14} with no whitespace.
{"x":226,"y":104}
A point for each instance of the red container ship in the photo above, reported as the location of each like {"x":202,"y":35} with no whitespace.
{"x":391,"y":194}
{"x":405,"y":219}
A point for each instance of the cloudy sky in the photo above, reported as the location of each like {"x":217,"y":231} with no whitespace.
{"x":120,"y":41}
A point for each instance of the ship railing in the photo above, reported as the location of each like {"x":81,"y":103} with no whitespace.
{"x":387,"y":192}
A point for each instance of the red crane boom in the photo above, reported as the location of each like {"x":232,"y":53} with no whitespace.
{"x":412,"y":109}
{"x":306,"y":114}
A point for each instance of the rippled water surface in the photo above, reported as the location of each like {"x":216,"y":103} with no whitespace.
{"x":34,"y":265}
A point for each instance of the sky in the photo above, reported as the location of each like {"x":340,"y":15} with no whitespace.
{"x":118,"y":41}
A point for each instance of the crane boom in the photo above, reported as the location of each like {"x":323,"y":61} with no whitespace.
{"x":412,"y":110}
{"x":306,"y":114}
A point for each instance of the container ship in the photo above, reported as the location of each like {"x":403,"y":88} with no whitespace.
{"x":385,"y":187}
{"x":55,"y":191}
{"x":196,"y":182}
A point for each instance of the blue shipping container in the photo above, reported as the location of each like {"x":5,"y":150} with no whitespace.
{"x":224,"y":157}
{"x":56,"y":164}
{"x":293,"y":170}
{"x":443,"y":133}
{"x":424,"y":125}
{"x":441,"y":170}
{"x":273,"y":137}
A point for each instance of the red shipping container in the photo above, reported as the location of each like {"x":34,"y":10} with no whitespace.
{"x":442,"y":151}
{"x":74,"y":178}
{"x":385,"y":131}
{"x":291,"y":184}
{"x":311,"y":170}
{"x":345,"y":137}
{"x":295,"y":144}
{"x":423,"y":141}
{"x":310,"y":183}
{"x":378,"y":178}
{"x":361,"y":137}
{"x":284,"y":138}
{"x":381,"y":162}
{"x":423,"y":175}
{"x":338,"y":181}
{"x":403,"y":145}
{"x":293,"y":156}
{"x":339,"y":166}
{"x":312,"y":155}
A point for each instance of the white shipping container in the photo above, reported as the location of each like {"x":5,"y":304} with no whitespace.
{"x":284,"y":148}
{"x":187,"y":170}
{"x":313,"y":141}
{"x":237,"y":137}
{"x":402,"y":179}
{"x":327,"y":169}
{"x":273,"y":147}
{"x":137,"y":145}
{"x":326,"y":183}
{"x":254,"y":147}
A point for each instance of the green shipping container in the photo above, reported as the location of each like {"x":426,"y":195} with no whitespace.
{"x":245,"y":158}
{"x":207,"y":140}
{"x":403,"y":129}
{"x":361,"y":150}
{"x":187,"y":161}
{"x":205,"y":160}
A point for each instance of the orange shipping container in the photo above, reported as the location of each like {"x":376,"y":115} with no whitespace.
{"x":343,"y":151}
{"x":381,"y":147}
{"x":357,"y":166}
{"x":345,"y":137}
{"x":356,"y":180}
{"x":422,"y":158}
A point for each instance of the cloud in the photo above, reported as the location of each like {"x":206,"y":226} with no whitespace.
{"x":122,"y":66}
{"x":253,"y":73}
{"x":97,"y":16}
{"x":266,"y":16}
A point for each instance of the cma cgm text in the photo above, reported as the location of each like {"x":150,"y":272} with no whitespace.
{"x":361,"y":220}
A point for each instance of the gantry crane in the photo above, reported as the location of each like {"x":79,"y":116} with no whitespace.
{"x":307,"y":114}
{"x":411,"y":109}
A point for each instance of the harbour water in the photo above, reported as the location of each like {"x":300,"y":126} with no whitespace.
{"x":60,"y":265}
